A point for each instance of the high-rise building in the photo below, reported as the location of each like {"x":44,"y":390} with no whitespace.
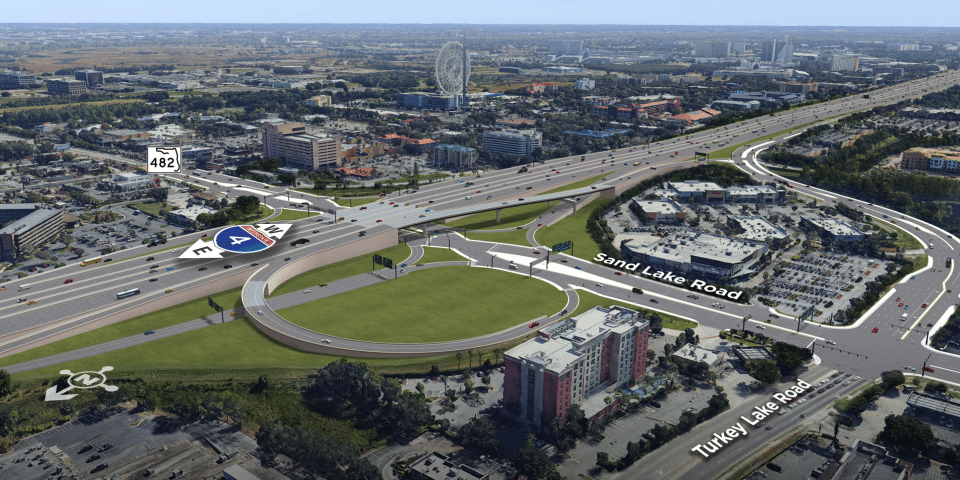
{"x":517,"y":142}
{"x":713,"y":49}
{"x":786,"y":53}
{"x":299,"y":149}
{"x":35,"y":228}
{"x":566,"y":47}
{"x":777,"y":51}
{"x":844,"y":63}
{"x":66,"y":87}
{"x":92,"y":78}
{"x":575,"y":362}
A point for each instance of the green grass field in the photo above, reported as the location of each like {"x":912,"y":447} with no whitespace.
{"x":288,"y":214}
{"x":354,"y":202}
{"x":431,"y":305}
{"x":509,"y":218}
{"x":152,"y":208}
{"x":135,"y":326}
{"x":516,"y":237}
{"x":589,"y":300}
{"x":341,"y":269}
{"x":904,"y":239}
{"x":575,"y":229}
{"x":582,"y":183}
{"x":437,"y":254}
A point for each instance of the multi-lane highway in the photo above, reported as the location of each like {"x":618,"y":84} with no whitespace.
{"x":92,"y":294}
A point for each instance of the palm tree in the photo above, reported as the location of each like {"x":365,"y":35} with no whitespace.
{"x":459,"y":356}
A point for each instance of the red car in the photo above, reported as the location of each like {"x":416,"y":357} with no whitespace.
{"x":618,"y":273}
{"x":923,"y":306}
{"x":391,"y":203}
{"x":539,"y":224}
{"x":875,"y":330}
{"x":203,"y":236}
{"x":898,"y":299}
{"x":478,"y":176}
{"x":534,"y":324}
{"x":363,"y":208}
{"x":529,"y":188}
{"x":215,"y":183}
{"x":478,"y":191}
{"x":69,"y":280}
{"x":927,"y":369}
{"x":378,"y":221}
{"x":535,"y":252}
{"x":383,"y":194}
{"x":900,"y":304}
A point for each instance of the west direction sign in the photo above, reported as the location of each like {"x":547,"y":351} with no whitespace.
{"x":238,"y":239}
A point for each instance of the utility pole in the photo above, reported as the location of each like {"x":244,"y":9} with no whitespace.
{"x":923,"y":371}
{"x":743,"y":327}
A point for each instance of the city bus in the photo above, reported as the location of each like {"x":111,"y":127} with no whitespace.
{"x":128,"y":293}
{"x":91,"y":261}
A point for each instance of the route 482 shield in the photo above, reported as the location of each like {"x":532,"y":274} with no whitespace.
{"x":238,"y":239}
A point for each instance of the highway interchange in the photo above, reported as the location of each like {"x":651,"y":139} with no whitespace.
{"x":92,"y":294}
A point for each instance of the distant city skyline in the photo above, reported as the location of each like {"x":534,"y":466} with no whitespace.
{"x":867,"y":13}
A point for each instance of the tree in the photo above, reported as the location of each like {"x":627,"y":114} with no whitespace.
{"x":468,"y":386}
{"x":420,"y":388}
{"x":907,"y":432}
{"x":765,"y":371}
{"x":935,"y":387}
{"x":603,"y":459}
{"x":534,"y":463}
{"x":691,"y":336}
{"x":485,"y":379}
{"x":479,"y":433}
{"x":79,"y":252}
{"x":6,"y":386}
{"x":892,"y":379}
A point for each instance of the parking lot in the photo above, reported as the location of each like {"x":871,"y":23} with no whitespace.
{"x":125,"y":443}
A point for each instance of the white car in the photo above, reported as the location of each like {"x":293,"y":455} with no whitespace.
{"x":829,"y":342}
{"x":908,"y":367}
{"x":326,"y":340}
{"x":761,"y":327}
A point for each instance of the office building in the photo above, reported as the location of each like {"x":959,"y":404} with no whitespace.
{"x":36,"y":229}
{"x":130,"y":181}
{"x":437,"y":466}
{"x":920,"y":158}
{"x":767,"y":96}
{"x":236,"y":472}
{"x":455,"y":157}
{"x":66,"y":87}
{"x":702,"y":255}
{"x":185,"y":217}
{"x":92,"y":78}
{"x":584,"y":84}
{"x":429,"y":101}
{"x":845,"y":63}
{"x":562,"y":69}
{"x":298,"y":149}
{"x":691,"y":354}
{"x":832,"y":227}
{"x":517,"y":142}
{"x":318,"y":101}
{"x":15,"y":79}
{"x":578,"y":361}
{"x":797,"y":87}
{"x":288,"y":69}
{"x":736,"y":104}
{"x":902,"y":47}
{"x":658,"y":211}
{"x":939,"y":406}
{"x":566,"y":47}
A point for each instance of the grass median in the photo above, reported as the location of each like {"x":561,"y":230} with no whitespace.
{"x":590,"y":300}
{"x":440,"y":254}
{"x":574,"y":229}
{"x":287,"y":214}
{"x":431,"y":305}
{"x":340,"y":270}
{"x":514,"y":237}
{"x":166,"y":317}
{"x":509,"y":218}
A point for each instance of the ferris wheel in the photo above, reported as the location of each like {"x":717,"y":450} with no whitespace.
{"x":453,"y":68}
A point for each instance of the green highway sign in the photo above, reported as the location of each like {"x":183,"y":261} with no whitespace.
{"x":387,"y":263}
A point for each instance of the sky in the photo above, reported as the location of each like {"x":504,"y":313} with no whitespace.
{"x":886,"y":13}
